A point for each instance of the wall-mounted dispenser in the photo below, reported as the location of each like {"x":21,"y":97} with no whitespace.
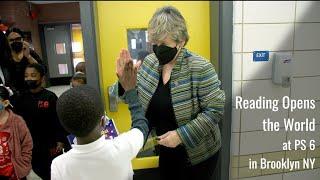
{"x":113,"y":100}
{"x":282,"y":69}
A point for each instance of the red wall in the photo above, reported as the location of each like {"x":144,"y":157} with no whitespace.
{"x":58,"y":13}
{"x":18,"y":12}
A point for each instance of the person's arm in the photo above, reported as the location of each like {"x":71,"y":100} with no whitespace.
{"x":211,"y":100}
{"x":121,"y":91}
{"x":27,"y":53}
{"x":131,"y":142}
{"x":31,"y":60}
{"x":127,"y":74}
{"x":36,"y":57}
{"x":117,"y":89}
{"x":59,"y":133}
{"x":26,"y":144}
{"x":138,"y":118}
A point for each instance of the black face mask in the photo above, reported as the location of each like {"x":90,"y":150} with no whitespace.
{"x":17,"y":46}
{"x":32,"y":84}
{"x":164,"y":53}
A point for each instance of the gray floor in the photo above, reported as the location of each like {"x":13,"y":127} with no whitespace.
{"x":58,"y":90}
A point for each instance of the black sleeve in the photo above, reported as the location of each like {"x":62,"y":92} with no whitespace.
{"x":38,"y":59}
{"x":9,"y":74}
{"x":36,"y":56}
{"x":120,"y":89}
{"x":137,"y":114}
{"x":15,"y":101}
{"x":59,"y":132}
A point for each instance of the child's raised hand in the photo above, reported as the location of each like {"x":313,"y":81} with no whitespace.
{"x":121,"y":61}
{"x":126,"y":70}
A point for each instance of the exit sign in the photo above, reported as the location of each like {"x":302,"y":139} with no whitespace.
{"x":260,"y":55}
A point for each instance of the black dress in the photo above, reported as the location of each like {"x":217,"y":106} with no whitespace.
{"x":173,"y":162}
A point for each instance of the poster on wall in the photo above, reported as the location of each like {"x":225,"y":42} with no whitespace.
{"x":63,"y":69}
{"x":61,"y":48}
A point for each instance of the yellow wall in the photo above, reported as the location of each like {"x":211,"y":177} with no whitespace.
{"x":114,"y":18}
{"x":77,"y":35}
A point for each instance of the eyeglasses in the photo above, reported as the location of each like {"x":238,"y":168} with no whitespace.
{"x":16,"y":39}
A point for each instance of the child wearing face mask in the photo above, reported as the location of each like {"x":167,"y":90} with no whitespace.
{"x":81,"y":113}
{"x":15,"y":141}
{"x":38,"y":107}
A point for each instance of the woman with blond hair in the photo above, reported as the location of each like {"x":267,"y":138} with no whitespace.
{"x":180,"y":94}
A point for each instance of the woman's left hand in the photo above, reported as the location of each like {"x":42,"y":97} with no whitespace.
{"x":170,"y":139}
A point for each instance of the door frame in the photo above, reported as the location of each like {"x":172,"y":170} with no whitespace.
{"x":41,"y":27}
{"x":88,"y":23}
{"x":225,"y":75}
{"x":87,"y":17}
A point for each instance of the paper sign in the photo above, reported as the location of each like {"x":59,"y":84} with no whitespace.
{"x":60,"y":48}
{"x":133,"y":43}
{"x":63,"y":68}
{"x":261,"y":56}
{"x":146,"y":36}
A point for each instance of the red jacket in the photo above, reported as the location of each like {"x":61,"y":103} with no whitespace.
{"x":20,"y":144}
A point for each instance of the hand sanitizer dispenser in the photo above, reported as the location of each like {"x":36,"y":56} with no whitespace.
{"x":281,"y":69}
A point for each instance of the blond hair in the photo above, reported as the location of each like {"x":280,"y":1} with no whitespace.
{"x":167,"y":21}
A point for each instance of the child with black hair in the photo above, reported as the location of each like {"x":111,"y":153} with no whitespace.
{"x":38,"y":107}
{"x":81,"y":112}
{"x":15,"y":141}
{"x":81,"y":67}
{"x":78,"y":79}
